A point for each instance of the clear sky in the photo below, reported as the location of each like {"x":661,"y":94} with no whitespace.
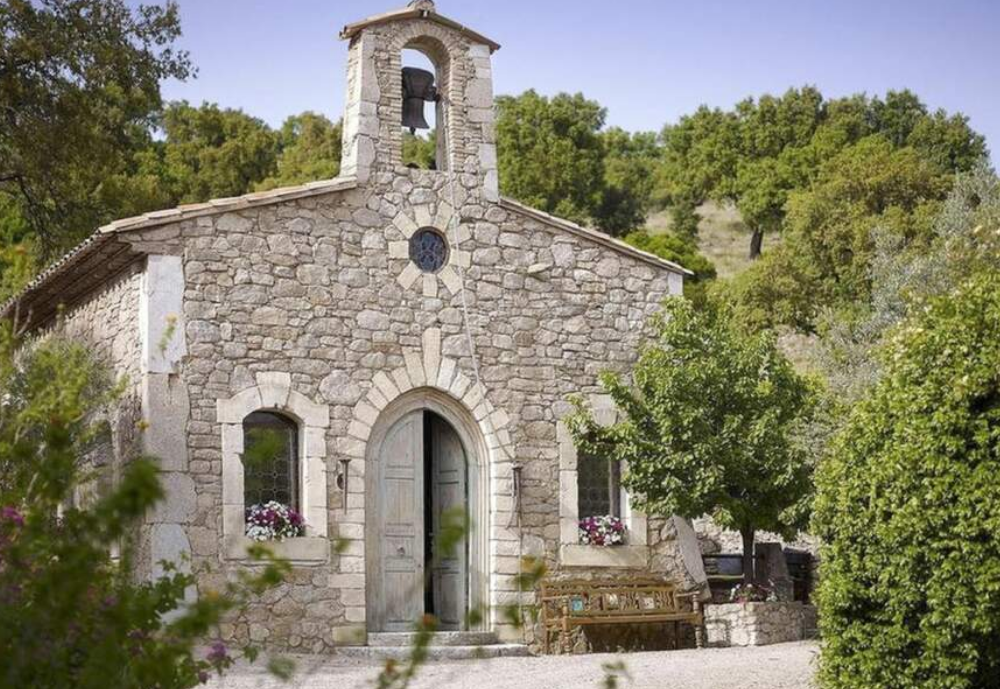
{"x":647,"y":62}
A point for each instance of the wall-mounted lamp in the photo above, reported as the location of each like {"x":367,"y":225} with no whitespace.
{"x":342,"y":478}
{"x":515,"y":487}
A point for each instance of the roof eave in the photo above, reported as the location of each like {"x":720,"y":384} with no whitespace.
{"x":595,"y":235}
{"x":353,"y":29}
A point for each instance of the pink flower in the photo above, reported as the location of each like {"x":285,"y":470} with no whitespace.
{"x":11,"y":514}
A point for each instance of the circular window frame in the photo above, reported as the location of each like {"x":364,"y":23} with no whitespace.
{"x":445,"y":258}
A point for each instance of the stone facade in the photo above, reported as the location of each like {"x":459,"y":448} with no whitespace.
{"x":758,"y":624}
{"x":305,"y":301}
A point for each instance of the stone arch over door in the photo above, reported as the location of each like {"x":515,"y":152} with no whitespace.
{"x":435,"y":381}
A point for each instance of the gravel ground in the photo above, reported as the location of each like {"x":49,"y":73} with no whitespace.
{"x":783,"y":666}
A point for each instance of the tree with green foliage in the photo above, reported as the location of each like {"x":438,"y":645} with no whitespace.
{"x":550,"y":152}
{"x":420,"y":151}
{"x":908,"y":508}
{"x":554,"y":154}
{"x":826,"y":256}
{"x":708,"y":427}
{"x":81,"y":79}
{"x":309,"y":146}
{"x":700,"y":155}
{"x":210,"y":152}
{"x":745,"y":157}
{"x":764,"y":151}
{"x":674,"y":248}
{"x":630,"y":162}
{"x":73,"y":615}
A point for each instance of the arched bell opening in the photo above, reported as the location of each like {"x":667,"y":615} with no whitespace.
{"x":425,"y":471}
{"x":424,"y":100}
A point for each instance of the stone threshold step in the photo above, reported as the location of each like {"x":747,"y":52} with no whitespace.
{"x":438,"y":639}
{"x":434,"y":653}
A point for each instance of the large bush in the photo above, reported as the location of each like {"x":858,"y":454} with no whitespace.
{"x":908,"y":506}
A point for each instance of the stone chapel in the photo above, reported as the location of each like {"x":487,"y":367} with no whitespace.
{"x":411,"y":335}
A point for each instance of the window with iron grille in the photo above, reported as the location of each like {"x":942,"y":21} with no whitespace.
{"x":598,"y":487}
{"x":270,"y":460}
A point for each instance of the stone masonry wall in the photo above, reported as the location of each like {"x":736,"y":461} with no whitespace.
{"x":107,"y":323}
{"x":758,"y":624}
{"x":309,"y":287}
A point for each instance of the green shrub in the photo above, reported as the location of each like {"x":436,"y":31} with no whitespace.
{"x":908,"y":507}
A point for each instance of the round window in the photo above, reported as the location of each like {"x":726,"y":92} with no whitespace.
{"x":429,"y":250}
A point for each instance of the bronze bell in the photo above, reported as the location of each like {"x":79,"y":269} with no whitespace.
{"x":418,"y":87}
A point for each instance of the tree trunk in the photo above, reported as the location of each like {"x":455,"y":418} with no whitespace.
{"x":747,"y":533}
{"x":756,"y":243}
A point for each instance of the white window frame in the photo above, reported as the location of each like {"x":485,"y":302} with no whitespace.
{"x":273,"y":392}
{"x":572,"y":553}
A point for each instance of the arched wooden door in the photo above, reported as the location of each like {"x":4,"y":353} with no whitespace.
{"x":422,"y":478}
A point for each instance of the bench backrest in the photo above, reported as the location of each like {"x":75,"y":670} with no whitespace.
{"x":608,"y":598}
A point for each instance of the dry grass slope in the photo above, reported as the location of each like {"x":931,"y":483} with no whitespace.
{"x":725,"y":240}
{"x":722,"y":237}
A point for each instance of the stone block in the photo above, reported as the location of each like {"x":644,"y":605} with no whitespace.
{"x":451,"y":280}
{"x":179,"y":500}
{"x":237,"y":407}
{"x":349,"y":635}
{"x":161,"y":314}
{"x":311,"y":414}
{"x":167,"y":409}
{"x":415,"y":368}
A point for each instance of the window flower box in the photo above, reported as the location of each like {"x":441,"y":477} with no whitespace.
{"x":273,"y":521}
{"x":605,"y":530}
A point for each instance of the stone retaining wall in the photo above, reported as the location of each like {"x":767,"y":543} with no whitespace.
{"x":758,"y":624}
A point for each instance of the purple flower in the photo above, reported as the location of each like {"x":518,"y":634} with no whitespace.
{"x":218,"y":652}
{"x":11,"y":514}
{"x":202,"y":676}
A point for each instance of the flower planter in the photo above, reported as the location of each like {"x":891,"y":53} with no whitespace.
{"x":758,"y":623}
{"x":602,"y":531}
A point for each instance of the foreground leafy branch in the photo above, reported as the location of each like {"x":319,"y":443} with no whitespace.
{"x":71,"y":613}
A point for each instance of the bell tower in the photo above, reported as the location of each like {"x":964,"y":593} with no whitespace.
{"x":461,"y":93}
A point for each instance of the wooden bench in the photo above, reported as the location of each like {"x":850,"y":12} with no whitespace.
{"x":568,"y":604}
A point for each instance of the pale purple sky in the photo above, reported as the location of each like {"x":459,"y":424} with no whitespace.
{"x":648,"y":62}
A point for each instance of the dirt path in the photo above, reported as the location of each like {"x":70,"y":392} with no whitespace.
{"x":784,"y":666}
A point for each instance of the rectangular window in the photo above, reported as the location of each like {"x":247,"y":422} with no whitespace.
{"x":599,"y":487}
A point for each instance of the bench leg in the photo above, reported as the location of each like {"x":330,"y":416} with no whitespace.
{"x":699,"y":626}
{"x":677,"y":635}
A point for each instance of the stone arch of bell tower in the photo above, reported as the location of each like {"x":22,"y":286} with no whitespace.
{"x":372,"y":134}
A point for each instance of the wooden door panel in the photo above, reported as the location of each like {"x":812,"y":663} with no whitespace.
{"x":448,"y":469}
{"x":400,"y":520}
